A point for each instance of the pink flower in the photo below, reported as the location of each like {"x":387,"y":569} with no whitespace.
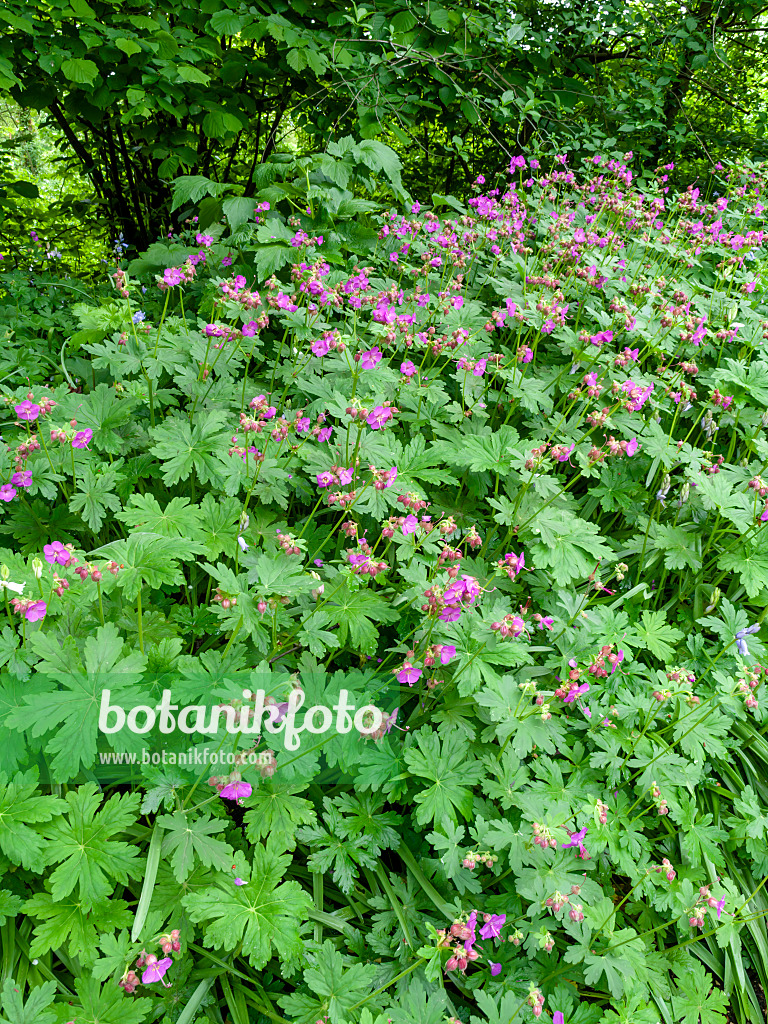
{"x":370,"y":359}
{"x":492,"y":929}
{"x":410,"y":525}
{"x":27,"y":410}
{"x":408,"y":675}
{"x":82,"y":438}
{"x":156,"y":970}
{"x":36,"y":611}
{"x":236,"y":791}
{"x":557,"y":1018}
{"x":632,"y":446}
{"x":495,"y":968}
{"x":239,"y":881}
{"x":378,"y":416}
{"x":393,"y":257}
{"x":447,"y":653}
{"x":7,"y":493}
{"x":22,"y":479}
{"x":601,"y":337}
{"x":576,"y":693}
{"x":479,"y":369}
{"x":56,"y":553}
{"x":324,"y":479}
{"x":720,"y":905}
{"x":407,"y":368}
{"x":321,"y":347}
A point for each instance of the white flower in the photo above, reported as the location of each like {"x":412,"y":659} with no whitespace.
{"x":17,"y":588}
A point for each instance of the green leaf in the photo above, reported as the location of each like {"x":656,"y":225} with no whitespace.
{"x":226,"y":23}
{"x":21,"y":806}
{"x":238,"y":211}
{"x":107,"y":1005}
{"x":190,"y":188}
{"x":80,"y":843}
{"x":10,"y":905}
{"x":95,"y":493}
{"x":188,"y":73}
{"x":80,"y":70}
{"x":569,"y":546}
{"x":275,"y":809}
{"x":128,"y":46}
{"x":261,"y":914}
{"x":218,"y":124}
{"x":67,"y":925}
{"x":452,"y":774}
{"x":187,"y":839}
{"x":178,"y":519}
{"x":147,"y":559}
{"x":184,"y":448}
{"x":659,"y":637}
{"x":71,"y":714}
{"x":34,"y":1011}
{"x":695,"y":1000}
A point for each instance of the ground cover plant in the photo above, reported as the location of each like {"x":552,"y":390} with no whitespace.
{"x":493,"y":468}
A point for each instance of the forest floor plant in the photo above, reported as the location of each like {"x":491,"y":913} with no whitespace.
{"x":493,"y":471}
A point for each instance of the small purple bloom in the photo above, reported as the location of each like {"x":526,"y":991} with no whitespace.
{"x":36,"y":612}
{"x":409,"y":676}
{"x":492,"y":929}
{"x":370,"y":359}
{"x":7,"y":493}
{"x":239,"y":881}
{"x":447,"y":653}
{"x":27,"y":410}
{"x":410,"y":525}
{"x":156,"y":971}
{"x":82,"y":438}
{"x":236,"y":791}
{"x":22,"y":479}
{"x":576,"y":693}
{"x":741,"y":642}
{"x":495,"y":968}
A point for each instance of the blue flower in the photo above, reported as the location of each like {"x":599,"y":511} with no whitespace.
{"x":139,"y":316}
{"x":741,"y":642}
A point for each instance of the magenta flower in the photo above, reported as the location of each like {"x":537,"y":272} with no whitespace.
{"x":378,"y":416}
{"x":557,"y":1017}
{"x":22,"y":479}
{"x":156,"y":971}
{"x":407,"y":368}
{"x":479,"y":369}
{"x":577,"y":840}
{"x":56,"y":553}
{"x":601,"y":338}
{"x":324,"y":479}
{"x":27,"y":410}
{"x":239,"y":881}
{"x":618,"y":661}
{"x":632,"y":446}
{"x":447,"y":653}
{"x":576,"y":693}
{"x":409,"y":676}
{"x":36,"y":611}
{"x":492,"y":929}
{"x":495,"y":968}
{"x":471,"y":922}
{"x":370,"y":359}
{"x":236,"y":791}
{"x":82,"y":438}
{"x":7,"y":493}
{"x":720,"y":904}
{"x":410,"y":525}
